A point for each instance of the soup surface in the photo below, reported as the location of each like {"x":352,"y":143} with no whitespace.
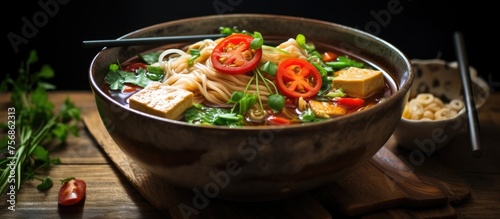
{"x":245,"y":80}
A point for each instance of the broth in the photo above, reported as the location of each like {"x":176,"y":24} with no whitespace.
{"x":290,"y":110}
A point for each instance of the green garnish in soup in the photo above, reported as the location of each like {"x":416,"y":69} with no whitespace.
{"x":243,"y":80}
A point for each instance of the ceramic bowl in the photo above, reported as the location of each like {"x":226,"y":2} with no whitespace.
{"x":442,"y":79}
{"x":255,"y":163}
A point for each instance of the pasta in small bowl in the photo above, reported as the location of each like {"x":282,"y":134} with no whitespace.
{"x":435,"y":111}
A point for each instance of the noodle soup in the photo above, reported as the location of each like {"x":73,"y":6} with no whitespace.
{"x":291,"y":82}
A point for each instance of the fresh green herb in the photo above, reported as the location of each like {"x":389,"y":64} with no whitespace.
{"x":301,"y":40}
{"x":344,"y":62}
{"x":36,"y":125}
{"x":199,"y":114}
{"x":195,"y":53}
{"x":257,"y":41}
{"x":270,"y":68}
{"x":325,"y":70}
{"x":47,"y":183}
{"x":242,"y":102}
{"x":309,"y":47}
{"x":276,"y":102}
{"x":309,"y":116}
{"x":117,"y":78}
{"x":155,"y":73}
{"x":230,"y":30}
{"x":328,"y":94}
{"x":114,"y":67}
{"x":151,"y":58}
{"x":336,"y":93}
{"x":322,"y":70}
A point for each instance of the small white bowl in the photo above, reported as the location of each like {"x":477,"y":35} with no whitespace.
{"x":443,"y":80}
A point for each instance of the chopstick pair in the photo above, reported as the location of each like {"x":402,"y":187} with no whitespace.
{"x":148,"y":40}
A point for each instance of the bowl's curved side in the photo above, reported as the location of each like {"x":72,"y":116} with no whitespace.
{"x":249,"y":163}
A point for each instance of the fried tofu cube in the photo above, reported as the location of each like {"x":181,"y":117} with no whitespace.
{"x":359,"y":82}
{"x":162,"y":100}
{"x":326,"y":109}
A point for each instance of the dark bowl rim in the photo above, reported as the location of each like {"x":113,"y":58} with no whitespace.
{"x":401,"y":92}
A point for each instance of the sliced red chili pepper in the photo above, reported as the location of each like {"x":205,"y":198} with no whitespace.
{"x":135,"y":66}
{"x":329,"y":56}
{"x":298,"y":78}
{"x":350,"y":103}
{"x":233,"y":55}
{"x":127,"y":88}
{"x":276,"y":120}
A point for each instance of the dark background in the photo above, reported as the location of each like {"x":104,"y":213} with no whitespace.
{"x":423,"y":29}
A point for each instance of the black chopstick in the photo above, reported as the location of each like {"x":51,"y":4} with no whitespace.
{"x":470,"y":106}
{"x":148,"y":40}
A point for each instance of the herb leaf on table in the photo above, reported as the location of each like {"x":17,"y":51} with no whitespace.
{"x":37,"y":125}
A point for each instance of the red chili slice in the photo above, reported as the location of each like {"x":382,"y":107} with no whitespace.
{"x":298,"y":78}
{"x":233,"y":55}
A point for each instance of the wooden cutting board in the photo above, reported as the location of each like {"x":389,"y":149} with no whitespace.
{"x":385,"y":187}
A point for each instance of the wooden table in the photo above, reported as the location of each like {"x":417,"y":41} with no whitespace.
{"x":111,"y":195}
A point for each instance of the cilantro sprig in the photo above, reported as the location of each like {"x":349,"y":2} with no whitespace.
{"x":203,"y":115}
{"x":36,"y":125}
{"x":242,"y":100}
{"x":117,"y":78}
